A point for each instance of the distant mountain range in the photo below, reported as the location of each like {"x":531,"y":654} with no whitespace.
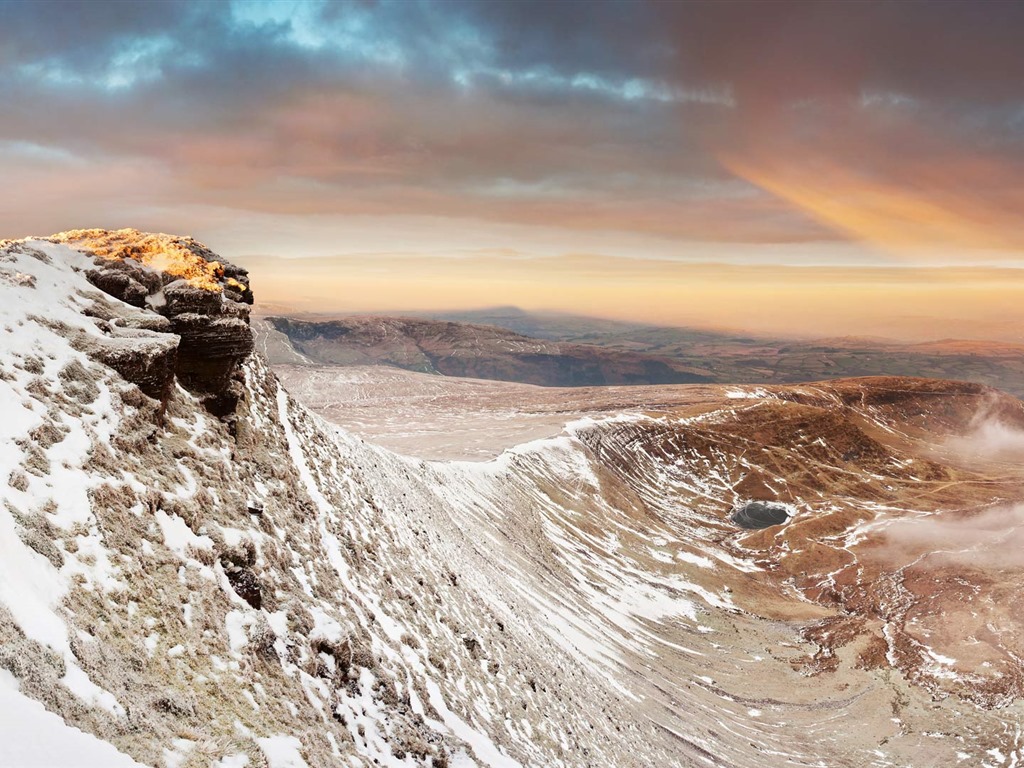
{"x":470,"y":351}
{"x":509,"y":344}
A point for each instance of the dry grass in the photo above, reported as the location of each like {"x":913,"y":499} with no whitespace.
{"x":38,"y":533}
{"x":78,"y":383}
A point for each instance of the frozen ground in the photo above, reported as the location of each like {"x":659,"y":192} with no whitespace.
{"x":440,"y":417}
{"x":31,"y":737}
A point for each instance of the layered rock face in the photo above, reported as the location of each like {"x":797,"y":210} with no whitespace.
{"x":184,"y":289}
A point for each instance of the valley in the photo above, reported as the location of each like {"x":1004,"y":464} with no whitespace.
{"x":876,"y":483}
{"x":567,"y":350}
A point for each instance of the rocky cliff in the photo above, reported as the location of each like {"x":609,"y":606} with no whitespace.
{"x":178,"y":286}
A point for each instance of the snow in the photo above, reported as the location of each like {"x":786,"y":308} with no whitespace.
{"x":743,"y":394}
{"x":482,"y":746}
{"x":324,"y":626}
{"x":282,"y":751}
{"x":79,"y":683}
{"x":30,"y":587}
{"x":947,"y":660}
{"x":178,"y":537}
{"x":31,"y":737}
{"x":237,"y":623}
{"x":694,"y":559}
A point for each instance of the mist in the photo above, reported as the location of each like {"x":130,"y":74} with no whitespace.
{"x":989,"y":540}
{"x":990,"y":436}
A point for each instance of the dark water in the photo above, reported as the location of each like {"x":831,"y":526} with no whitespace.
{"x":759,"y":514}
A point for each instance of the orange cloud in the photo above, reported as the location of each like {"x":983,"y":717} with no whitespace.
{"x":886,"y":214}
{"x":901,"y":302}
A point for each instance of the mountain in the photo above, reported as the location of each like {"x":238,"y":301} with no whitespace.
{"x":197,"y":570}
{"x":476,"y":351}
{"x":561,"y":326}
{"x":735,"y":357}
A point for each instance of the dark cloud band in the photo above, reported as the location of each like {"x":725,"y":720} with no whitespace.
{"x":668,"y":118}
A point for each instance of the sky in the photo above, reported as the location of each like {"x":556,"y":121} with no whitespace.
{"x":803,"y":168}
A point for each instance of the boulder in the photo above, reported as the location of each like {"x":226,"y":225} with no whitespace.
{"x":120,"y":285}
{"x":185,"y":290}
{"x":146,"y":358}
{"x":246,"y":585}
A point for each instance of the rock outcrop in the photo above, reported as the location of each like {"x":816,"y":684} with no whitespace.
{"x":182,"y":288}
{"x":145,"y":358}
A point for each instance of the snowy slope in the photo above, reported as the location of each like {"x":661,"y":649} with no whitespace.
{"x":31,"y":737}
{"x":128,"y":544}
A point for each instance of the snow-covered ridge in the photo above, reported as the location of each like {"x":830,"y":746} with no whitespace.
{"x":352,"y":620}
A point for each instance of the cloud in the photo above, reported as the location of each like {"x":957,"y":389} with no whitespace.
{"x":895,"y":124}
{"x":778,"y":54}
{"x":985,"y":539}
{"x":727,"y":122}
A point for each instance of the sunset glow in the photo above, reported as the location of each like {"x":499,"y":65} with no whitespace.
{"x":907,"y":219}
{"x":464,"y":154}
{"x":160,"y":253}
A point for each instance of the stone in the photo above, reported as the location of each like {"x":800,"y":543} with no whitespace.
{"x":147,"y":359}
{"x":246,"y":585}
{"x":184,"y":290}
{"x":119,"y":285}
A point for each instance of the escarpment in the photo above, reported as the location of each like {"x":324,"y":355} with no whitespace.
{"x":261,"y":590}
{"x":267,"y":590}
{"x":179,"y":288}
